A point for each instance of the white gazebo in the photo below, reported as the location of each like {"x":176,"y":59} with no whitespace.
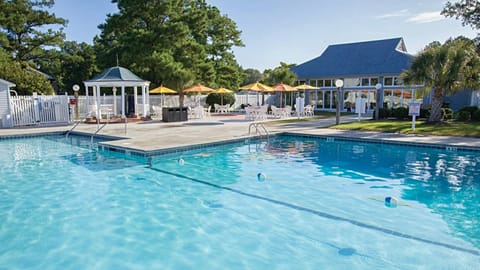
{"x":118,"y":77}
{"x":5,"y":110}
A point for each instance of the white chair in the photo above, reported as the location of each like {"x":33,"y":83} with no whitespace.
{"x":207,"y":111}
{"x":215,"y":106}
{"x":157,"y":111}
{"x":308,"y":111}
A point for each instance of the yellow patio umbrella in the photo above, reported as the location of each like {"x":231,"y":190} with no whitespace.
{"x":257,"y":87}
{"x":305,"y":87}
{"x":281,"y":87}
{"x":222,"y":91}
{"x":162,"y":90}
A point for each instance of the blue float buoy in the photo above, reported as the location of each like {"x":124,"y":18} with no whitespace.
{"x":261,"y":177}
{"x":346,"y":251}
{"x":391,"y":202}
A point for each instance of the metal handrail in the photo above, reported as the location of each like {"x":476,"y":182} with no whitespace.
{"x":70,"y":131}
{"x":96,"y":132}
{"x":257,"y":130}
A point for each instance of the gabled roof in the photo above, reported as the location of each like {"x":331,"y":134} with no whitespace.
{"x":49,"y":77}
{"x":116,"y":74}
{"x":6,"y":84}
{"x":369,"y":58}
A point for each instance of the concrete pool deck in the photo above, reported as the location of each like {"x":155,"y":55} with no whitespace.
{"x":157,"y":135}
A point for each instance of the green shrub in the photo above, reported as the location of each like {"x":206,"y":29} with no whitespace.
{"x":476,"y":115}
{"x":400,"y":113}
{"x":463,"y":116}
{"x":217,"y":99}
{"x":470,"y":109}
{"x":384,"y":113}
{"x":424,"y":113}
{"x":447,"y":113}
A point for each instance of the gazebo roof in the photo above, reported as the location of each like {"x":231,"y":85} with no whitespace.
{"x":116,"y":74}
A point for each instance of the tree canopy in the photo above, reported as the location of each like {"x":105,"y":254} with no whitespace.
{"x":72,"y":64}
{"x":174,"y":43}
{"x":280,"y":74}
{"x":445,"y":69}
{"x":26,"y":35}
{"x":466,"y":10}
{"x":25,"y":31}
{"x":251,"y":75}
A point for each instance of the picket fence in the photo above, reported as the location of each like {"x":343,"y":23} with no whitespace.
{"x":39,"y":110}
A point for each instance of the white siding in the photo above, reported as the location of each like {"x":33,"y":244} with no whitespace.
{"x":3,"y":105}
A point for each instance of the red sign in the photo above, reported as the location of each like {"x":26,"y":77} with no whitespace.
{"x":72,"y":101}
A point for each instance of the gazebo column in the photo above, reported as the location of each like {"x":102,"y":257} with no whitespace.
{"x":97,"y":92}
{"x":114,"y":90}
{"x":94,"y":97}
{"x":135,"y":100}
{"x":87,"y":100}
{"x":144,"y":101}
{"x":123,"y":102}
{"x":147,"y":90}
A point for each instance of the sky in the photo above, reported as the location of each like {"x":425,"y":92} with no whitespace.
{"x":295,"y":31}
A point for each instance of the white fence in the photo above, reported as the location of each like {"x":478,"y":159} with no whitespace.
{"x":39,"y":110}
{"x":166,"y":101}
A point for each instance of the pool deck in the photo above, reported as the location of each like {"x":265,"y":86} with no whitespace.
{"x":157,"y":135}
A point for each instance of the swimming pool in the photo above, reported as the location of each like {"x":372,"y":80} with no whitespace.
{"x":321,"y":205}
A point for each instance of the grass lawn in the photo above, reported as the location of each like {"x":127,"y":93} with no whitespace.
{"x":463,"y":129}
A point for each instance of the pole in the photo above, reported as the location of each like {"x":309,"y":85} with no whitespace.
{"x":76,"y":104}
{"x":337,"y":113}
{"x":413,"y":122}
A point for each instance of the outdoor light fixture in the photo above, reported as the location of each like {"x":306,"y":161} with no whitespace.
{"x":378,"y":86}
{"x":338,"y":84}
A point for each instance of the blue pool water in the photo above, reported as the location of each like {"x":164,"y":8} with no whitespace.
{"x":321,"y":206}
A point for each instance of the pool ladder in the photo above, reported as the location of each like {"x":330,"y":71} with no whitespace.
{"x":74,"y":126}
{"x":259,"y":127}
{"x":96,"y":132}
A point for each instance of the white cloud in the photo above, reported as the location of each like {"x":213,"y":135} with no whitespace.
{"x":426,"y":17}
{"x":399,"y":13}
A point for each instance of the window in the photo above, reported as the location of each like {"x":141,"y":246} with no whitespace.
{"x":388,"y":81}
{"x":365,"y":81}
{"x":351,"y":82}
{"x":397,"y":81}
{"x":300,"y":82}
{"x":319,"y":83}
{"x":373,"y":81}
{"x":328,"y":83}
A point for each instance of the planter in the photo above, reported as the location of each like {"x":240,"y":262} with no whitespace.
{"x":174,"y":114}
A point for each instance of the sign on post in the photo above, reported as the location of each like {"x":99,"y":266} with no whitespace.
{"x":360,"y":104}
{"x":414,"y":111}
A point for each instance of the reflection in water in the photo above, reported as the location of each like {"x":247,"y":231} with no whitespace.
{"x":446,"y":182}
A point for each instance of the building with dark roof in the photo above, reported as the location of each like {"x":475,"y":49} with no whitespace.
{"x":362,"y":66}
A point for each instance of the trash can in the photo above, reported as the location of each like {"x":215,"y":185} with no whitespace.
{"x":174,"y":114}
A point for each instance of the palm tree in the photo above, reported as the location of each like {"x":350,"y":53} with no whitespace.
{"x":445,"y":69}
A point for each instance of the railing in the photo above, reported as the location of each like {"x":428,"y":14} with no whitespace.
{"x":70,"y":131}
{"x":258,"y":128}
{"x":96,"y":132}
